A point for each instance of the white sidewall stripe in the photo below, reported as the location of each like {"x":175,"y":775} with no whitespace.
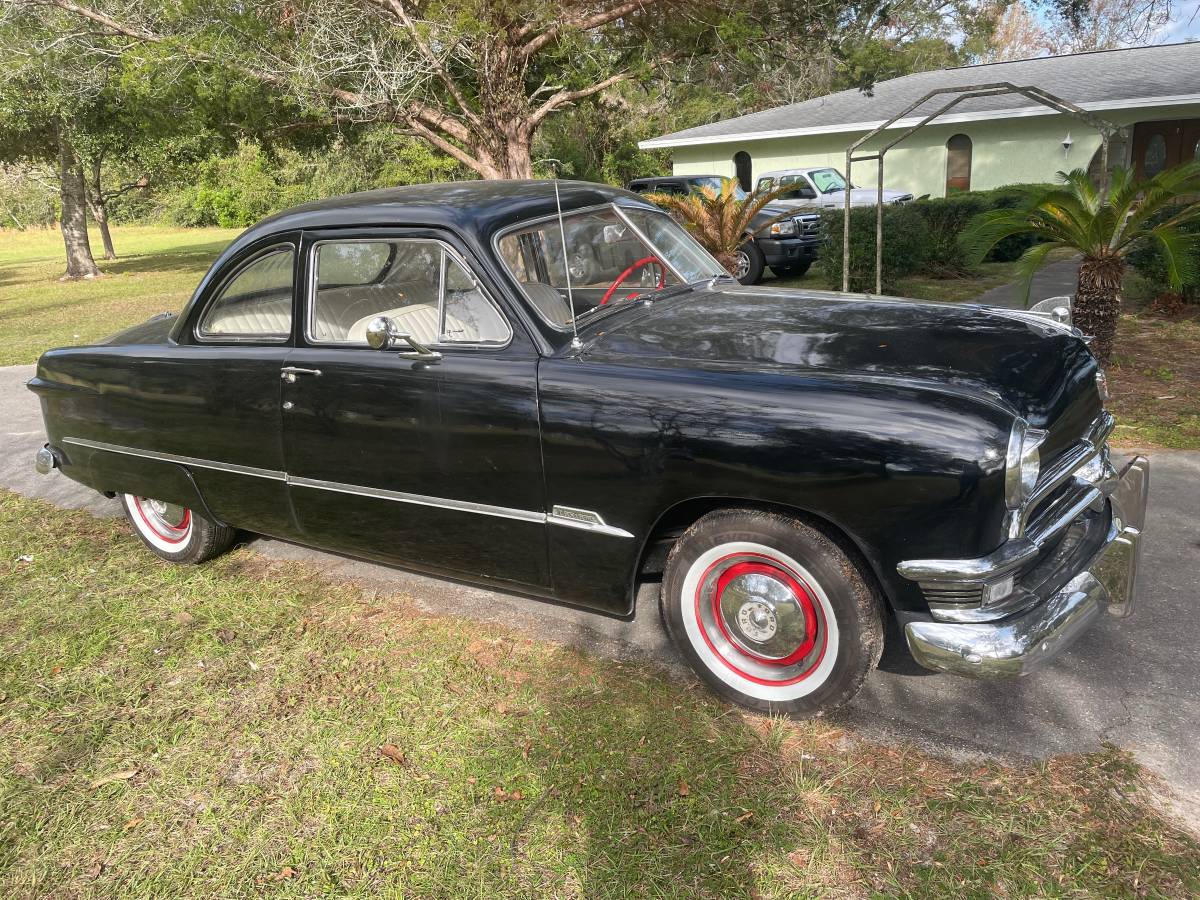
{"x":152,"y":536}
{"x":712,"y":661}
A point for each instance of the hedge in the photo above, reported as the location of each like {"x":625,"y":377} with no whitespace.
{"x":905,"y":246}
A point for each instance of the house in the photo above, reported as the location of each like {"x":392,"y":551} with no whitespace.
{"x":981,"y":143}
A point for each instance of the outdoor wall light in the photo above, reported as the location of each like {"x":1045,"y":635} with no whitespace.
{"x":1067,"y":142}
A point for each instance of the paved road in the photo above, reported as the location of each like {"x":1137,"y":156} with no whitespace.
{"x":1055,"y":280}
{"x":1133,"y":682}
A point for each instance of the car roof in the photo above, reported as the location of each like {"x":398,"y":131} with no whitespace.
{"x":803,"y":171}
{"x":481,"y":207}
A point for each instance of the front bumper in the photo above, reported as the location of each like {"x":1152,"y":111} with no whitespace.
{"x":788,"y":251}
{"x":1104,"y":579}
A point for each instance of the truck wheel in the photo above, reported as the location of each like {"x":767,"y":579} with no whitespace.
{"x":771,"y":612}
{"x":174,"y":532}
{"x":795,"y":270}
{"x":750,"y":263}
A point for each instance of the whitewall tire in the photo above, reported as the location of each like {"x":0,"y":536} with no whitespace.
{"x":174,"y":532}
{"x":771,"y":612}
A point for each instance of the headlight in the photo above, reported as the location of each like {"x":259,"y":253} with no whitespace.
{"x":781,"y":229}
{"x":1023,"y":464}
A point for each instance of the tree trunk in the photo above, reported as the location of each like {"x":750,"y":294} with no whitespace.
{"x":99,"y":210}
{"x":80,"y":263}
{"x":1098,"y":302}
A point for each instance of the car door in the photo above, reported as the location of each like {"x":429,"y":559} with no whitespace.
{"x":213,"y":399}
{"x":429,"y":460}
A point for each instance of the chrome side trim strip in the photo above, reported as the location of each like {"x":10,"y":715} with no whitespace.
{"x":192,"y":461}
{"x":502,"y":512}
{"x":567,"y":516}
{"x":585,"y":519}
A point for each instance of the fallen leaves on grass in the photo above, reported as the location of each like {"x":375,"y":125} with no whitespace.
{"x":684,"y":790}
{"x":394,"y":753}
{"x":115,"y":776}
{"x":500,"y":795}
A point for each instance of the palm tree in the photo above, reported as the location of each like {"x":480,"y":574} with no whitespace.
{"x":1104,"y":226}
{"x":721,"y":220}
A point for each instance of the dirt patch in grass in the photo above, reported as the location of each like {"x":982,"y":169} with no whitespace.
{"x":1154,"y":378}
{"x":241,"y":729}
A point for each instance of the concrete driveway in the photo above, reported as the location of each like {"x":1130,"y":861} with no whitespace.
{"x":1133,"y":682}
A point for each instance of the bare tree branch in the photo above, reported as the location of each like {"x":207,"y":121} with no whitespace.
{"x":563,"y":97}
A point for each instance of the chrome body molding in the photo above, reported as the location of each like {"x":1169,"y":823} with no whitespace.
{"x":483,"y":509}
{"x":586,"y":519}
{"x":566,"y":516}
{"x":1026,"y":641}
{"x":190,"y":461}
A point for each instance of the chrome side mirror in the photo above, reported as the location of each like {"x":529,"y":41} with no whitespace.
{"x":1057,"y":309}
{"x":382,"y":334}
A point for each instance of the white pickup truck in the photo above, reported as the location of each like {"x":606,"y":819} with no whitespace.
{"x":823,"y":187}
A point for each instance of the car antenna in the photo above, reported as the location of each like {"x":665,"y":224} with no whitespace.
{"x":576,"y":344}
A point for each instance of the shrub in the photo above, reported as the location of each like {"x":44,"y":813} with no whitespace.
{"x":1147,"y":260}
{"x":946,"y":220}
{"x":905,"y":246}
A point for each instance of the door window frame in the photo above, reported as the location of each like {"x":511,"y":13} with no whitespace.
{"x":309,"y":295}
{"x":235,"y":268}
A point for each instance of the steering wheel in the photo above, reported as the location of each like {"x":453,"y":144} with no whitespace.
{"x":635,"y":266}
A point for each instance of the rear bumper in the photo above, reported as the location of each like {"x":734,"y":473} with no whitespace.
{"x":1028,"y":640}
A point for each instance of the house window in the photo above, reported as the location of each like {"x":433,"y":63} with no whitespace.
{"x":1155,"y":159}
{"x":958,"y":164}
{"x":741,"y":165}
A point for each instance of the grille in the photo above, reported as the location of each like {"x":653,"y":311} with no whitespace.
{"x":808,"y":226}
{"x":958,"y":593}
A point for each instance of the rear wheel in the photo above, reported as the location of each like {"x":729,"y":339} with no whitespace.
{"x":771,"y":612}
{"x":174,"y":532}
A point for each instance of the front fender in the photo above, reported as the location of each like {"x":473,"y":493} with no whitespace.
{"x":894,"y":466}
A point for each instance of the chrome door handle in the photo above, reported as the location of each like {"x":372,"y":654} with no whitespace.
{"x":289,"y":373}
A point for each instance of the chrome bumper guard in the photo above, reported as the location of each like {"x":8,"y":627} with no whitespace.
{"x":45,"y":461}
{"x":1028,"y":640}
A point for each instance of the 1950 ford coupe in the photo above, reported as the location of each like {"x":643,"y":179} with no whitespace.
{"x":553,"y":389}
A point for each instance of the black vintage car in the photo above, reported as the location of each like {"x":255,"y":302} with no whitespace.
{"x":787,"y":243}
{"x":461,"y":380}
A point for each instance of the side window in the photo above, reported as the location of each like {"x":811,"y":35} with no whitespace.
{"x":764,"y":184}
{"x":418,"y":284}
{"x":256,"y":303}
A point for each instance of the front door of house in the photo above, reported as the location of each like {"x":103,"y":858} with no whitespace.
{"x":1162,"y":145}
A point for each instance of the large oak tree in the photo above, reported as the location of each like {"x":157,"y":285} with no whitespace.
{"x":474,"y":78}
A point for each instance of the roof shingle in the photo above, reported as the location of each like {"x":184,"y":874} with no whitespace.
{"x":1098,"y":80}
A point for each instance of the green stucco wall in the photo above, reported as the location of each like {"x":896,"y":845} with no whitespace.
{"x":1004,"y":151}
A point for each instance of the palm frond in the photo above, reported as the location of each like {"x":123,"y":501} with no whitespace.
{"x":1181,"y":253}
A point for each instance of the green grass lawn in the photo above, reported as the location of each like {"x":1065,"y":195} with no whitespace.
{"x":157,"y":270}
{"x":246,"y":728}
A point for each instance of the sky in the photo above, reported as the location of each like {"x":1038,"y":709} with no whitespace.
{"x":1184,"y":24}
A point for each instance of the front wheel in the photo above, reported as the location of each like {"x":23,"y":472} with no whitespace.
{"x":749,"y":263}
{"x":771,"y":612}
{"x":174,"y":532}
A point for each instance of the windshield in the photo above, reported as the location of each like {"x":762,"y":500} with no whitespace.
{"x":611,"y":255}
{"x":827,"y":180}
{"x":715,"y":184}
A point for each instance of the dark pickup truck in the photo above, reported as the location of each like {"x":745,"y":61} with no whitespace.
{"x":788,"y":246}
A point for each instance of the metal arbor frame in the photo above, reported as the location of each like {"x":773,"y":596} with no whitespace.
{"x":1108,"y":130}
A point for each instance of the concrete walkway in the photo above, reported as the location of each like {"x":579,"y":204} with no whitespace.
{"x":1057,"y":279}
{"x":1133,"y":682}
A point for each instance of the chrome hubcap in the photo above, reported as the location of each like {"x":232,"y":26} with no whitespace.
{"x":760,"y":618}
{"x":170,"y":521}
{"x":742,"y":265}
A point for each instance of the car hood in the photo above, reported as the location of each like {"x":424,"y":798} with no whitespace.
{"x":1035,"y":368}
